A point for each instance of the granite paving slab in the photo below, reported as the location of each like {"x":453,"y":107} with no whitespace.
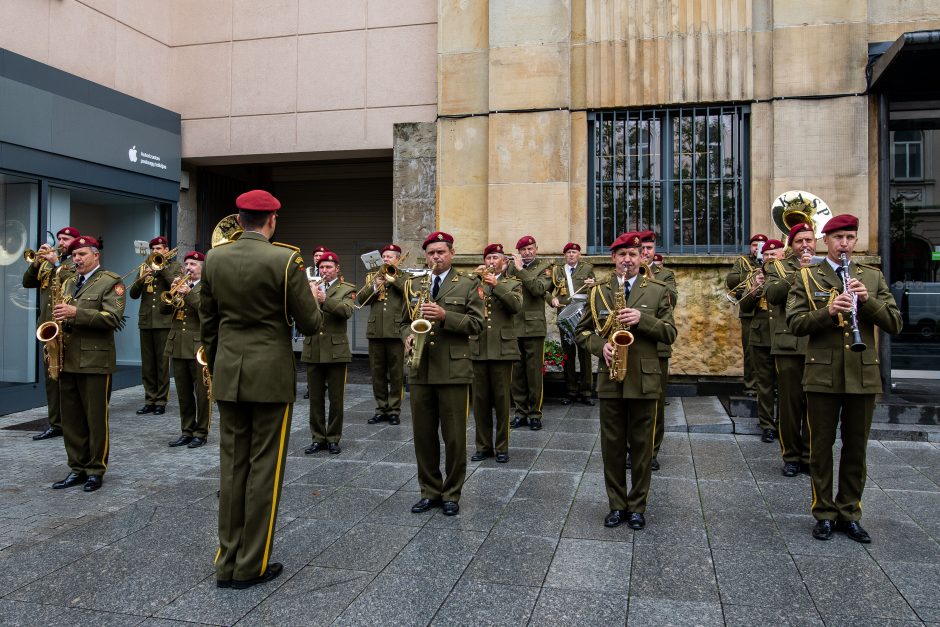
{"x":579,"y":607}
{"x":677,"y":573}
{"x":673,"y":613}
{"x":610,"y":562}
{"x":439,"y":553}
{"x":484,"y":603}
{"x":392,"y":599}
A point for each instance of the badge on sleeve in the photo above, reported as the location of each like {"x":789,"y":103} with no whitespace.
{"x":119,"y":289}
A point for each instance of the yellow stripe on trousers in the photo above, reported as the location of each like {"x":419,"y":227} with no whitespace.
{"x":277,"y":482}
{"x":107,"y":428}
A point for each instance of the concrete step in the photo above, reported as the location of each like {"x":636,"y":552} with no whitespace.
{"x":705,"y":414}
{"x":895,"y":412}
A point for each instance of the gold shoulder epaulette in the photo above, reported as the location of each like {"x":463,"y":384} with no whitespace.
{"x":282,"y":245}
{"x":869,"y":266}
{"x":654,"y":280}
{"x":110,"y":274}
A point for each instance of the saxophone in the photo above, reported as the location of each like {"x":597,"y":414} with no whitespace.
{"x":420,"y":327}
{"x":621,"y":338}
{"x":50,"y":333}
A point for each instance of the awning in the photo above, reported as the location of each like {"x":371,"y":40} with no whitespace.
{"x":907,"y":70}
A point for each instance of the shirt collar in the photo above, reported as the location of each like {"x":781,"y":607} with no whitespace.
{"x":442,"y":275}
{"x":88,"y":274}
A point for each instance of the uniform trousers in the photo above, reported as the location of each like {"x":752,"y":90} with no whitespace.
{"x":84,"y":406}
{"x":576,"y":383}
{"x":826,"y":411}
{"x":387,"y":364}
{"x":155,"y":366}
{"x":527,"y":377}
{"x":323,"y":380}
{"x":750,"y":382}
{"x":441,"y":408}
{"x":627,"y":423}
{"x":253,"y":446}
{"x":195,"y":410}
{"x":764,"y":367}
{"x":52,"y":400}
{"x":794,"y":432}
{"x":491,"y":394}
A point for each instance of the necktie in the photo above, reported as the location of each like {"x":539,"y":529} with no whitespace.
{"x":79,"y":283}
{"x":626,"y":291}
{"x":436,"y":287}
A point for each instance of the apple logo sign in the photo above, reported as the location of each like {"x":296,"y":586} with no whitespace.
{"x":132,"y":154}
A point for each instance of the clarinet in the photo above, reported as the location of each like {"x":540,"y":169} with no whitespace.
{"x":857,"y":344}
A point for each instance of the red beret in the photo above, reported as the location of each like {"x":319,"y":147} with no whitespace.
{"x":437,"y":236}
{"x":630,"y":239}
{"x":198,"y":256}
{"x":320,"y":249}
{"x":658,"y":257}
{"x":158,"y":240}
{"x":68,"y":231}
{"x":257,"y":200}
{"x":758,"y":237}
{"x":82,"y":242}
{"x":798,"y":228}
{"x":493,"y":248}
{"x":571,"y":246}
{"x":773,"y":244}
{"x":525,"y":240}
{"x":328,"y":256}
{"x":392,"y":247}
{"x":844,"y":222}
{"x":647,"y":236}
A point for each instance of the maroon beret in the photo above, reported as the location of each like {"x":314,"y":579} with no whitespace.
{"x":198,"y":256}
{"x":571,"y":246}
{"x":493,"y":248}
{"x":773,"y":244}
{"x":328,"y":256}
{"x":647,"y":236}
{"x":631,"y":239}
{"x":257,"y":200}
{"x":71,"y":232}
{"x":437,"y":236}
{"x":658,"y":257}
{"x":82,"y":242}
{"x":798,"y":228}
{"x":392,"y":247}
{"x":844,"y":222}
{"x":320,"y":249}
{"x":525,"y":240}
{"x":158,"y":240}
{"x":758,"y":237}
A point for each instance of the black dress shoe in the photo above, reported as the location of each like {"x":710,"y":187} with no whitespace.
{"x":146,"y":409}
{"x":614,"y":518}
{"x":566,"y":400}
{"x":334,"y":448}
{"x":450,"y":508}
{"x":223,"y":583}
{"x":853,"y":530}
{"x":307,"y":394}
{"x":535,"y":424}
{"x":48,"y":433}
{"x":316,"y":447}
{"x":587,"y":400}
{"x":654,"y":464}
{"x":502,"y":458}
{"x":394,"y":420}
{"x":93,"y":483}
{"x":519,"y":421}
{"x":823,"y":529}
{"x":629,"y":462}
{"x":768,"y":435}
{"x":273,"y":571}
{"x":376,"y":419}
{"x":479,"y":457}
{"x":197,"y":442}
{"x":635,"y":520}
{"x":159,"y":409}
{"x":73,"y":478}
{"x":791,"y":469}
{"x":424,"y":505}
{"x":183,"y":440}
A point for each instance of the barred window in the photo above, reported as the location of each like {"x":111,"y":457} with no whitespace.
{"x":681,"y":172}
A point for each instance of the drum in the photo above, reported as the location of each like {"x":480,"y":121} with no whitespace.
{"x":568,"y":319}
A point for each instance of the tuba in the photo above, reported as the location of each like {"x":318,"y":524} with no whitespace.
{"x":621,"y":338}
{"x":227,"y":230}
{"x":420,"y":327}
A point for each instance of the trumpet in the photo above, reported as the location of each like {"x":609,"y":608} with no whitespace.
{"x":31,"y":255}
{"x":173,"y":296}
{"x":621,"y":338}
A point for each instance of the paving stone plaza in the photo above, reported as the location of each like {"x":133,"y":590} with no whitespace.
{"x":727,"y":540}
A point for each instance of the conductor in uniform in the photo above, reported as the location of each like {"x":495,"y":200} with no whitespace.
{"x":742,"y":268}
{"x":493,"y":352}
{"x":253,"y":291}
{"x":628,"y":407}
{"x":440,"y":385}
{"x":39,"y":275}
{"x":327,"y":356}
{"x":841,"y":377}
{"x":89,"y":320}
{"x":154,"y":328}
{"x":384,"y":293}
{"x":570,"y":282}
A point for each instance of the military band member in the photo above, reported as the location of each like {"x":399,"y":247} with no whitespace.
{"x":154,"y":328}
{"x":536,"y":277}
{"x":181,"y":346}
{"x":39,"y":274}
{"x":327,"y":356}
{"x":317,"y":253}
{"x":570,"y":282}
{"x":628,"y":408}
{"x":440,"y":385}
{"x":89,"y":320}
{"x":743,"y":267}
{"x":667,"y":276}
{"x":759,"y":344}
{"x":384,"y":294}
{"x":840,"y":383}
{"x":789,"y":351}
{"x":493,"y":353}
{"x":252,"y":292}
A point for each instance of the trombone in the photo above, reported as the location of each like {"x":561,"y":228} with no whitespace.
{"x":747,"y":285}
{"x":155,"y":261}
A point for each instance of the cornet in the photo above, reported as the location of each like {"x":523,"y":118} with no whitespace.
{"x":173,"y":296}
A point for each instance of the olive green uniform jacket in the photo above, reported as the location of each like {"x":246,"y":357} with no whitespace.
{"x":148,"y":290}
{"x":89,"y":337}
{"x":183,"y":341}
{"x":331,"y":344}
{"x":582,"y":271}
{"x":781,"y":276}
{"x":184,"y":338}
{"x":739,"y":271}
{"x":537,"y":284}
{"x":386,"y":315}
{"x":497,"y":338}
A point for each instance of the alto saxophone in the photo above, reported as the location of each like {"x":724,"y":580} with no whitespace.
{"x":420,"y":327}
{"x":50,"y":333}
{"x":621,"y":338}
